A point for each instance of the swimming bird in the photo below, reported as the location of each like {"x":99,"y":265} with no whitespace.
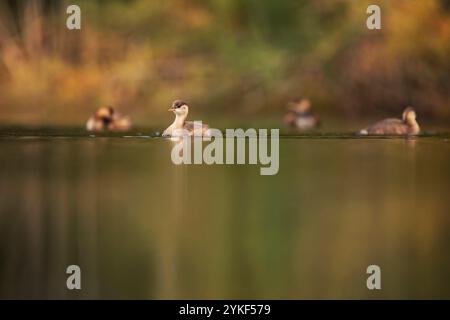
{"x":300,"y":115}
{"x":181,"y":110}
{"x":107,"y":119}
{"x":405,"y":126}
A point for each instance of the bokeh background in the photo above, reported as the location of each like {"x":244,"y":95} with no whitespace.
{"x":229,"y":58}
{"x":141,"y":227}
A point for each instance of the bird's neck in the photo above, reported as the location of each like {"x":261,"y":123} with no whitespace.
{"x":178,"y":123}
{"x":413,"y":125}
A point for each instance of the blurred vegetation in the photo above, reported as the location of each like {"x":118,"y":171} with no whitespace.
{"x":223,"y":56}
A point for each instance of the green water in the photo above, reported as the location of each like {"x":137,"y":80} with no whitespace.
{"x":141,"y":227}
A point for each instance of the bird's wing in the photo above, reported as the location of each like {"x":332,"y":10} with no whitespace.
{"x":195,"y":129}
{"x":389,"y":126}
{"x":192,"y":125}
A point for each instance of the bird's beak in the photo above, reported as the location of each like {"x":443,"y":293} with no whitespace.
{"x":171,"y":109}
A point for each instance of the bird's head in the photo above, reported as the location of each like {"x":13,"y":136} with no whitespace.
{"x":180,"y":108}
{"x":105,"y":112}
{"x":301,"y":105}
{"x":409,"y":115}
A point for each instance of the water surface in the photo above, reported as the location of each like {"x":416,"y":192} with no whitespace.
{"x":141,"y":227}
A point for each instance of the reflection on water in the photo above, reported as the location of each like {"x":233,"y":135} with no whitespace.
{"x":141,"y":227}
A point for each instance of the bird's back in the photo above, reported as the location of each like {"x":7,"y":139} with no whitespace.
{"x":120,"y":123}
{"x":195,"y":128}
{"x":388,"y":126}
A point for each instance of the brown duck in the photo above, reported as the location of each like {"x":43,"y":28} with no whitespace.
{"x":107,"y":119}
{"x":405,"y":126}
{"x":300,"y":115}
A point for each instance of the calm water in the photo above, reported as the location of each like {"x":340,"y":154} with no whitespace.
{"x":141,"y":227}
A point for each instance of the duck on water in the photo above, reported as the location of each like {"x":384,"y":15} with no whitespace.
{"x":180,"y":125}
{"x":300,"y":115}
{"x":406,"y":126}
{"x":107,"y":119}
